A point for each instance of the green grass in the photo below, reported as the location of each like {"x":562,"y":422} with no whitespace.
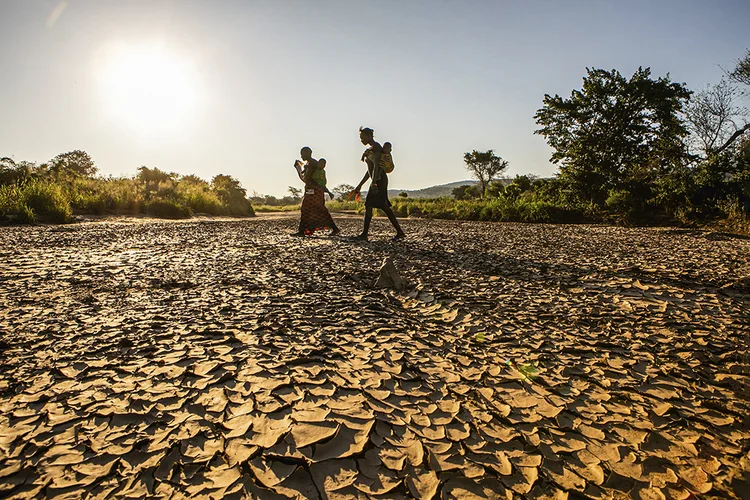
{"x":275,"y":208}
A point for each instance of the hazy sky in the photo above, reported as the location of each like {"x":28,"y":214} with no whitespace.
{"x":237,"y":87}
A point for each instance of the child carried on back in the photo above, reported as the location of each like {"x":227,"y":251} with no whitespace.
{"x":318,"y":174}
{"x":386,"y":159}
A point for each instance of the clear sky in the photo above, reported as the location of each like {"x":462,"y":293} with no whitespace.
{"x":237,"y":87}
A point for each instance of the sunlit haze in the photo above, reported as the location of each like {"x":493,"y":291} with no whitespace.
{"x":148,"y":89}
{"x":235,"y":87}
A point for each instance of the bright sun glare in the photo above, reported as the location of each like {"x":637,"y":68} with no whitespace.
{"x":149,"y":89}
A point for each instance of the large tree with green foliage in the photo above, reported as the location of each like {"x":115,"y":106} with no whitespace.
{"x":614,"y":132}
{"x":485,"y":166}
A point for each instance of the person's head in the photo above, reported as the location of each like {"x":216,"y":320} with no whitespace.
{"x":305,"y":153}
{"x":387,"y":146}
{"x":322,"y":163}
{"x":366,"y":135}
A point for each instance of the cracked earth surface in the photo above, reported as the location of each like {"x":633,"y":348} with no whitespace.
{"x":225,"y":359}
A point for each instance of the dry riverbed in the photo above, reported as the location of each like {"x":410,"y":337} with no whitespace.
{"x":226,"y":359}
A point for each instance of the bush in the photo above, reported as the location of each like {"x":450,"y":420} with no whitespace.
{"x":10,"y":200}
{"x":91,"y":203}
{"x":26,"y":215}
{"x":123,"y":195}
{"x":348,"y":206}
{"x":466,"y":192}
{"x":240,"y":207}
{"x":167,"y":209}
{"x":33,"y":199}
{"x":736,"y":218}
{"x":51,"y":191}
{"x":232,"y":195}
{"x":200,"y":199}
{"x":47,"y":200}
{"x":523,"y":209}
{"x":623,"y":205}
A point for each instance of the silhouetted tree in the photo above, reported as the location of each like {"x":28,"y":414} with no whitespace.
{"x":295,"y":193}
{"x":741,"y":74}
{"x":485,"y":166}
{"x":403,"y":194}
{"x":342,"y":190}
{"x":614,"y":131}
{"x":74,"y":162}
{"x":713,"y":116}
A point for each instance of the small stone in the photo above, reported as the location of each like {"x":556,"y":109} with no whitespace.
{"x":389,"y":277}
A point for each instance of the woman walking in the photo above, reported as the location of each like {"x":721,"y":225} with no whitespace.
{"x":314,"y":215}
{"x":377,"y":195}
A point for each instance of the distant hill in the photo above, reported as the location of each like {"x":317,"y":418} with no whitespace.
{"x":436,"y":191}
{"x":433,"y":191}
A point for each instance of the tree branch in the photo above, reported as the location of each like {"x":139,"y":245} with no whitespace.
{"x":734,"y":137}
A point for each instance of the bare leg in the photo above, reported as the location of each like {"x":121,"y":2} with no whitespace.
{"x":392,"y":217}
{"x":366,"y":228}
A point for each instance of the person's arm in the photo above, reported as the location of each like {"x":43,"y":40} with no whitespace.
{"x":362,"y":182}
{"x":300,"y":172}
{"x":376,"y":171}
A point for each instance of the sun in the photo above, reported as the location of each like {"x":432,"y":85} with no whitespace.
{"x":148,"y":88}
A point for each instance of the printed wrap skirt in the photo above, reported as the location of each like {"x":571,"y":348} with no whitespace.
{"x":314,"y":214}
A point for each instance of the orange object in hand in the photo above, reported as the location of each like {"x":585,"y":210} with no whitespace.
{"x":353,"y":195}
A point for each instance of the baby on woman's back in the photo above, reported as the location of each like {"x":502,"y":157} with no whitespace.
{"x":319,"y":176}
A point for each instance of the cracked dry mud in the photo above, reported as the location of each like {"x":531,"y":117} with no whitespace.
{"x":225,"y":359}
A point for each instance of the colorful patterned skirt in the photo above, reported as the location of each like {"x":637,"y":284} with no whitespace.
{"x":314,"y":214}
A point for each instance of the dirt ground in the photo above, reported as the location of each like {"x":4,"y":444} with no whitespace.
{"x":226,"y":359}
